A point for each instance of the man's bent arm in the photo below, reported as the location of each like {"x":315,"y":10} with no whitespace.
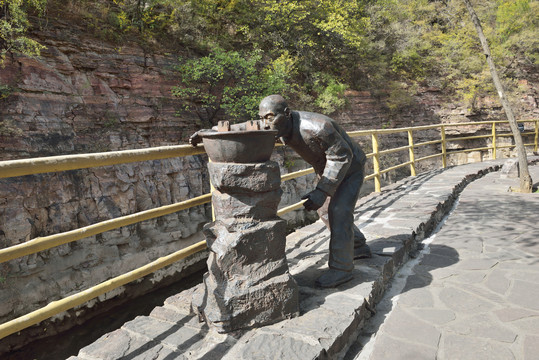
{"x":338,"y":160}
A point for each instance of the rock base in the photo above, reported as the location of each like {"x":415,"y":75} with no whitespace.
{"x":248,"y":282}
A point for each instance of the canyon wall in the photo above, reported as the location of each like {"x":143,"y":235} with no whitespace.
{"x":83,"y":95}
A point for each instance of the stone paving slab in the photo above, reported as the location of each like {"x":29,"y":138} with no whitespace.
{"x":473,"y":291}
{"x":394,"y":221}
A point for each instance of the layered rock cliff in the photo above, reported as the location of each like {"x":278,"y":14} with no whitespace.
{"x":82,"y":96}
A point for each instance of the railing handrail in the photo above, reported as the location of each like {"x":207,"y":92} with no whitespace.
{"x":79,"y":298}
{"x":32,"y":166}
{"x":12,"y":168}
{"x":427,"y":127}
{"x":48,"y":242}
{"x":22,"y":167}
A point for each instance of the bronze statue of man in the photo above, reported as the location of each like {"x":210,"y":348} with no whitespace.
{"x":339,"y":163}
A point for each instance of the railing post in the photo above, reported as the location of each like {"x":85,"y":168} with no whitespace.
{"x":411,"y":152}
{"x":376,"y":163}
{"x":444,"y":152}
{"x":493,"y":140}
{"x":536,"y":134}
{"x":212,"y":189}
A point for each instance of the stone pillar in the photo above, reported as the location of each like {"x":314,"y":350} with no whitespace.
{"x":248,"y":283}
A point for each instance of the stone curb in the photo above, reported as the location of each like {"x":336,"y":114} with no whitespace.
{"x":394,"y":222}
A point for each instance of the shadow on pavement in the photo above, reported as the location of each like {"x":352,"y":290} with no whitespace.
{"x":438,"y":256}
{"x":417,"y":276}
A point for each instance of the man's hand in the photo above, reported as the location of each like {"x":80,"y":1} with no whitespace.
{"x":195,"y":139}
{"x":315,"y":199}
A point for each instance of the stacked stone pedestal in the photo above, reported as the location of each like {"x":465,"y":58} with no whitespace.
{"x":248,"y":283}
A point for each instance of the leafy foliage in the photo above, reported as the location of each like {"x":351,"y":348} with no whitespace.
{"x":232,"y":81}
{"x":436,"y":40}
{"x":311,"y":50}
{"x":148,"y":18}
{"x":399,"y":98}
{"x":517,"y":22}
{"x":330,"y":92}
{"x":149,"y":23}
{"x":5,"y":91}
{"x":13,"y":26}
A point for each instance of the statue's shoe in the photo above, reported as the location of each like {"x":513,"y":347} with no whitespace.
{"x":362,"y":252}
{"x":333,"y":278}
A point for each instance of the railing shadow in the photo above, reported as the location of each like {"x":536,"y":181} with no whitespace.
{"x":156,"y":341}
{"x":375,"y":205}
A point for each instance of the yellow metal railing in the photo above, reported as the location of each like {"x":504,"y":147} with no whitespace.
{"x":76,"y":299}
{"x":71,"y":162}
{"x":444,"y":140}
{"x":82,"y":161}
{"x":47,"y":242}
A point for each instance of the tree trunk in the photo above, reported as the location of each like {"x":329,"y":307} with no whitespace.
{"x":525,"y":178}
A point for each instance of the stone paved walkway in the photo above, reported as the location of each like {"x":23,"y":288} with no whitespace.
{"x":394,"y":221}
{"x":473,"y":293}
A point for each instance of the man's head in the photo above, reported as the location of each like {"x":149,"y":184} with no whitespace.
{"x":275,"y":113}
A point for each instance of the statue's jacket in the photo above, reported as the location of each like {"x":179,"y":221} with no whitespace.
{"x":321,"y":142}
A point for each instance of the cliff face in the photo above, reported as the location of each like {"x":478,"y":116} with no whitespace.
{"x":86,"y":96}
{"x":83,"y":96}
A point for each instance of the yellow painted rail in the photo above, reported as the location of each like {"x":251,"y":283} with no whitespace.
{"x":77,"y":299}
{"x":41,"y":165}
{"x":47,"y":242}
{"x":22,"y":167}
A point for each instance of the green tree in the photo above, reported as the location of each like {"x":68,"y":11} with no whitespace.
{"x":526,"y":182}
{"x":329,"y":91}
{"x":14,"y":25}
{"x":148,"y":17}
{"x":434,"y":41}
{"x":516,"y":24}
{"x":323,"y":36}
{"x":231,"y":82}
